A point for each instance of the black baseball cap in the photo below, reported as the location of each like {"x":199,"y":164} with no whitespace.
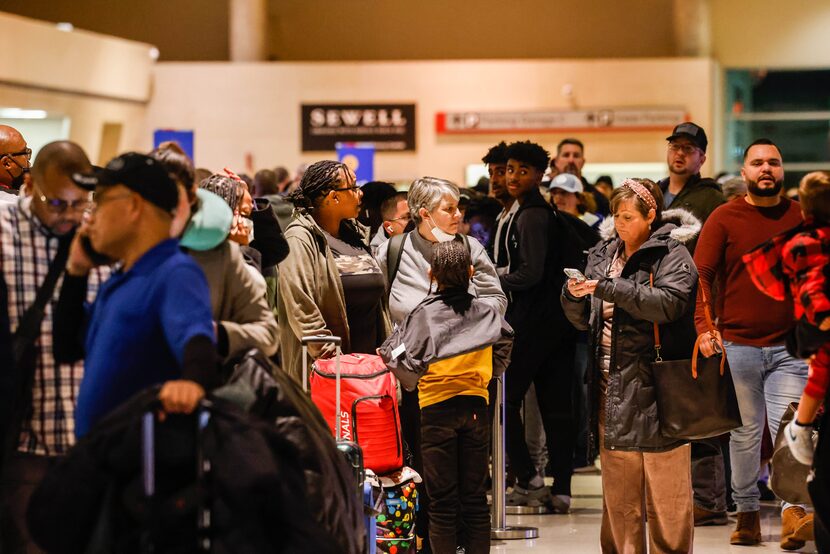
{"x":693,"y":132}
{"x":138,"y":172}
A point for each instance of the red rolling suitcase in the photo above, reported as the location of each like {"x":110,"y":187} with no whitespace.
{"x":367,"y":412}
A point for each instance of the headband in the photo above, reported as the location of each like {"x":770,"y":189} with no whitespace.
{"x":642,"y":192}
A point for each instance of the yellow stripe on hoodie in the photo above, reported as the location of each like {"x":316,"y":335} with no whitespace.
{"x":467,"y":374}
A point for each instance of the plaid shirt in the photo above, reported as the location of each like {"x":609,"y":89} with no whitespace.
{"x":27,"y":248}
{"x":798,"y":260}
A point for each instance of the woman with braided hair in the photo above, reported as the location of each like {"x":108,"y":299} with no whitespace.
{"x":329,"y":284}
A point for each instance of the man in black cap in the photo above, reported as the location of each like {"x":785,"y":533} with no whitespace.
{"x":151,"y":322}
{"x":684,"y":188}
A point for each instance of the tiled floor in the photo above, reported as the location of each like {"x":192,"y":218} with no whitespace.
{"x":578,"y":532}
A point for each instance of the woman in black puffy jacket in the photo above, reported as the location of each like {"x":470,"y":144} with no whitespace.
{"x":619,"y":305}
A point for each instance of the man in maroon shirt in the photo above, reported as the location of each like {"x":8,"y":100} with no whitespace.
{"x":753,"y":325}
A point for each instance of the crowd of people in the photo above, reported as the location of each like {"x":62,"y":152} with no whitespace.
{"x":152,"y":272}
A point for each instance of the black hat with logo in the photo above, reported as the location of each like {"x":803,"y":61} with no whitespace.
{"x":139,"y":173}
{"x":693,"y":132}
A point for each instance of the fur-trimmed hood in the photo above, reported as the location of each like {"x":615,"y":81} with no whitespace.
{"x":679,"y":224}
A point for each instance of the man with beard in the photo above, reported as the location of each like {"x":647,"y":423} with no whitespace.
{"x":15,"y":156}
{"x":570,"y":158}
{"x":37,"y":399}
{"x":753,"y":326}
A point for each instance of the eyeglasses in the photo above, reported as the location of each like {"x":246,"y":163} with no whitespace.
{"x":98,"y":200}
{"x":25,"y":152}
{"x":687,"y":149}
{"x":405,"y":217}
{"x":59,"y":206}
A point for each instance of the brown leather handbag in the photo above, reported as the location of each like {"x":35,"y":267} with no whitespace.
{"x":695,"y":398}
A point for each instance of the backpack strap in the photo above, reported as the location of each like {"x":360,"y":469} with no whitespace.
{"x":394,"y":255}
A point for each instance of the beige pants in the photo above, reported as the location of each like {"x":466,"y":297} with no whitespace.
{"x":640,"y":486}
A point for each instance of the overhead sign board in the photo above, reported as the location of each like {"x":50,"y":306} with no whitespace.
{"x":387,"y":126}
{"x":553,"y":121}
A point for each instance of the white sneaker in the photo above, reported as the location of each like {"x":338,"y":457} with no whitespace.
{"x":800,"y":441}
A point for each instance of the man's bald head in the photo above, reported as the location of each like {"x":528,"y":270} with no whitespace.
{"x":14,"y":158}
{"x":9,"y":139}
{"x":64,"y":157}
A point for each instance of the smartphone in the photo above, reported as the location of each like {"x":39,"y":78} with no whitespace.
{"x":96,"y":257}
{"x":575,"y":274}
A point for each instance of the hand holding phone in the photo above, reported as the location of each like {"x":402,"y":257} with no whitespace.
{"x":575,"y":274}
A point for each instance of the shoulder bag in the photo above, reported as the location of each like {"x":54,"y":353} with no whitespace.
{"x":695,"y":398}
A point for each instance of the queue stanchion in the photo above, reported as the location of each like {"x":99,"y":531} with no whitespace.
{"x":499,"y":528}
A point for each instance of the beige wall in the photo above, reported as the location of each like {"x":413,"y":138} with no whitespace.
{"x":771,"y":34}
{"x":236,"y":109}
{"x":89,"y":78}
{"x":36,"y":54}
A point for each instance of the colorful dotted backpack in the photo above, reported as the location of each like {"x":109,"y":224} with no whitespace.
{"x":397,"y":507}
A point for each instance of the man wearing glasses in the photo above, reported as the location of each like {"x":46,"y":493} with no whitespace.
{"x":395,"y":213}
{"x":684,"y":188}
{"x":33,"y":230}
{"x":14,"y":162}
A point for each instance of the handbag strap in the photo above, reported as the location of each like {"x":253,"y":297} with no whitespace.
{"x":28,"y":328}
{"x":709,"y":324}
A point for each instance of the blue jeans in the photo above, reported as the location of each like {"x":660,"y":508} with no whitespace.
{"x":766,"y":380}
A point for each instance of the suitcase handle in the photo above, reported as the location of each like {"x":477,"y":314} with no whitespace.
{"x":308,"y":339}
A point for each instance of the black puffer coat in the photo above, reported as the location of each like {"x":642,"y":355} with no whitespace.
{"x":329,"y":487}
{"x":631,"y":408}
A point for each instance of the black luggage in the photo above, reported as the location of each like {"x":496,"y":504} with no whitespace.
{"x":217,"y":480}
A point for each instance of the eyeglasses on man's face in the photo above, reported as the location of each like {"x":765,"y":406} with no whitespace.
{"x":59,"y":205}
{"x":25,"y":152}
{"x":687,"y":149}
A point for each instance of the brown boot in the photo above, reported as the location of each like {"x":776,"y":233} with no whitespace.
{"x":748,"y":530}
{"x":796,"y":528}
{"x":708,"y":517}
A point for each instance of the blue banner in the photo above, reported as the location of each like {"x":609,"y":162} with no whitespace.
{"x":360,"y":158}
{"x":182,"y":138}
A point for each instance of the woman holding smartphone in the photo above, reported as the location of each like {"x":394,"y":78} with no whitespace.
{"x":640,"y":274}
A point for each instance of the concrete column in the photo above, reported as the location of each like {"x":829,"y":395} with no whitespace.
{"x":693,"y":28}
{"x":248,"y":30}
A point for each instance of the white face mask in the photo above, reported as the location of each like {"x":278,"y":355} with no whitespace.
{"x":439,"y":234}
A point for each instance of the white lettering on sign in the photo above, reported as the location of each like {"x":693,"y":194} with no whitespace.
{"x":345,"y":426}
{"x":319,"y":117}
{"x":351,"y":117}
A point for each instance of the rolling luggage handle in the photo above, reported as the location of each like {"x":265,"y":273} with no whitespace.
{"x":324,"y":339}
{"x":148,"y":470}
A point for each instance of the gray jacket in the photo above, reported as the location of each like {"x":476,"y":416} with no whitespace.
{"x":433,"y":331}
{"x":631,"y":421}
{"x":412,"y":281}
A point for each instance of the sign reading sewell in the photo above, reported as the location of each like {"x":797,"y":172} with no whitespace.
{"x":615,"y":119}
{"x":387,"y":126}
